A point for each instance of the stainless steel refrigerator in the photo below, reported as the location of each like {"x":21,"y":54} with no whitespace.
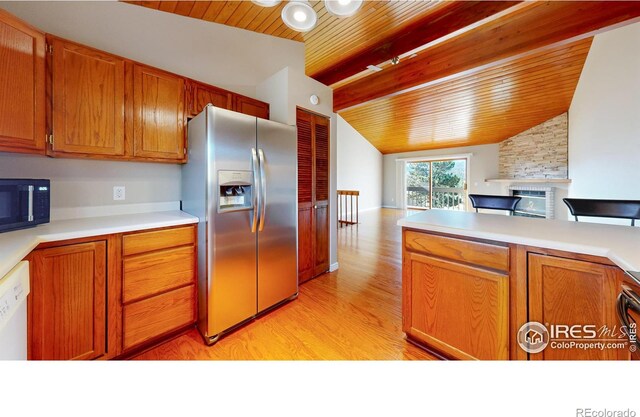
{"x":241,"y":183}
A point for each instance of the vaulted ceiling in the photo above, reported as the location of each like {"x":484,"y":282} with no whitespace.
{"x":470,"y":72}
{"x":487,"y":106}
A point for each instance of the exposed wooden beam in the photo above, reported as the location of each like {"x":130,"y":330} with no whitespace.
{"x":432,"y":26}
{"x":527,"y":27}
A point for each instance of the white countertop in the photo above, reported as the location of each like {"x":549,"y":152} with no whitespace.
{"x":621,"y":244}
{"x":14,"y":246}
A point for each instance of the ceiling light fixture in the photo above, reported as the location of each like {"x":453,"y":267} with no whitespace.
{"x":299,"y":16}
{"x":342,"y":8}
{"x":395,"y":60}
{"x":266,"y":3}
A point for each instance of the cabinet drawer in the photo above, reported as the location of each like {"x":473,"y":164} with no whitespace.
{"x":156,"y":240}
{"x":158,"y":315}
{"x":153,"y":273}
{"x":467,"y":251}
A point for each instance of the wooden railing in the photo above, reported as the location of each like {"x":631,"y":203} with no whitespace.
{"x":442,"y":198}
{"x":346,"y":209}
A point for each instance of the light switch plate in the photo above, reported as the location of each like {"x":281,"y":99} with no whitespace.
{"x":119,"y":192}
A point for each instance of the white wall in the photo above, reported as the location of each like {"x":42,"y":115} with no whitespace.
{"x":221,"y":55}
{"x":604,"y":120}
{"x":483,"y":164}
{"x":359,"y":166}
{"x":85,"y":183}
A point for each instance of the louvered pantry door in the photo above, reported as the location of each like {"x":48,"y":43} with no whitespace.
{"x":313,"y":195}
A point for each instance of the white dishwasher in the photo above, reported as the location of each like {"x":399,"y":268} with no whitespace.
{"x":14,"y":288}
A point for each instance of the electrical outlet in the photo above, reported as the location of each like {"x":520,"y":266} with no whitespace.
{"x":118,"y":192}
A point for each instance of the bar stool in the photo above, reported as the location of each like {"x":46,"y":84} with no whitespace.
{"x":616,"y":209}
{"x":494,"y":202}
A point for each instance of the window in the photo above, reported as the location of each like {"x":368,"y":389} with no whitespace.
{"x":436,"y":184}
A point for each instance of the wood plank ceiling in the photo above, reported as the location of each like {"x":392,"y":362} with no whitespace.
{"x":446,"y":91}
{"x":485,"y":107}
{"x":330,"y":41}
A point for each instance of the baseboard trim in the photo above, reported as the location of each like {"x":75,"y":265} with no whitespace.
{"x":333,"y":267}
{"x":390,"y":207}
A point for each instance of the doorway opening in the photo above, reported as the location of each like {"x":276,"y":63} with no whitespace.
{"x":436,"y":184}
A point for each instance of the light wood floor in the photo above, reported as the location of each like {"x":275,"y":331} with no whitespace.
{"x":353,"y":313}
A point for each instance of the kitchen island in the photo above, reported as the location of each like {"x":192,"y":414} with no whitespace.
{"x":471,"y":280}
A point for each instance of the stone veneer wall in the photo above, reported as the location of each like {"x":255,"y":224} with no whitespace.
{"x":540,"y":152}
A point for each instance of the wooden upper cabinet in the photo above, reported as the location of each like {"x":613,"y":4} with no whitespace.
{"x":159,"y":122}
{"x":88,"y":90}
{"x":202,"y":94}
{"x":67,"y":303}
{"x":251,"y":106}
{"x":22,"y":86}
{"x":571,"y":292}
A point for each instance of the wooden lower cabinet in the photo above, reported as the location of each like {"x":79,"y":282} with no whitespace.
{"x":67,"y":303}
{"x":112,"y":296}
{"x":158,"y":284}
{"x":467,"y":299}
{"x":459,"y":310}
{"x":569,"y":292}
{"x":155,"y":316}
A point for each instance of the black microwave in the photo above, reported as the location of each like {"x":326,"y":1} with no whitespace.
{"x":23,"y":203}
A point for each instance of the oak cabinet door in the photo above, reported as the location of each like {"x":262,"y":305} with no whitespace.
{"x":159,"y":114}
{"x":572,"y":292}
{"x":88,"y":100}
{"x":22,"y":86}
{"x":251,"y":106}
{"x":202,"y":94}
{"x":67,"y":303}
{"x":460,"y":310}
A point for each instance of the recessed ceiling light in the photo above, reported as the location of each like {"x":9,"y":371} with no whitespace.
{"x":266,"y":3}
{"x":342,"y":8}
{"x":299,"y":16}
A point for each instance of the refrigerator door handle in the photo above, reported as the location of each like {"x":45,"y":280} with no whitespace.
{"x":263,"y":191}
{"x":254,"y":166}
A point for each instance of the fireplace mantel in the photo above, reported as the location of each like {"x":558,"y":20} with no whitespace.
{"x":530,"y":180}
